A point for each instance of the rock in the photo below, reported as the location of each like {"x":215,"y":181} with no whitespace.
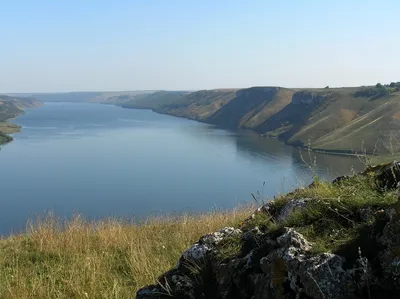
{"x":152,"y":292}
{"x":187,"y":280}
{"x":320,"y":276}
{"x":270,"y":209}
{"x":205,"y":245}
{"x":366,"y":214}
{"x":307,"y":98}
{"x":173,"y":284}
{"x":252,"y":234}
{"x":293,"y":205}
{"x":196,"y":252}
{"x":390,"y":256}
{"x":323,"y":276}
{"x":214,"y":238}
{"x":340,"y":179}
{"x":251,"y":238}
{"x":388,"y":176}
{"x":281,"y":266}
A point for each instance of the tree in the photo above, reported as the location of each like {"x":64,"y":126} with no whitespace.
{"x":378,"y":85}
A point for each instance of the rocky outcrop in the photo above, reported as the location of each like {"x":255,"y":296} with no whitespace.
{"x":308,"y":98}
{"x":281,"y":262}
{"x":283,"y":267}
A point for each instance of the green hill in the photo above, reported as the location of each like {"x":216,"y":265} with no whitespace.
{"x":344,"y":120}
{"x":11,"y":107}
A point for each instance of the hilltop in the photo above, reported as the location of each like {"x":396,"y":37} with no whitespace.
{"x":11,"y":107}
{"x":342,"y":120}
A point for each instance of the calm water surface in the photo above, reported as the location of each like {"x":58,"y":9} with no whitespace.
{"x":105,"y":161}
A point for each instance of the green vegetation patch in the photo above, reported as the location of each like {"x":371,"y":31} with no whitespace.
{"x":4,"y":138}
{"x":338,"y":218}
{"x":229,"y":247}
{"x":377,"y":91}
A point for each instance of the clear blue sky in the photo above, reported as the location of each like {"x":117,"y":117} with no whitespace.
{"x":77,"y":45}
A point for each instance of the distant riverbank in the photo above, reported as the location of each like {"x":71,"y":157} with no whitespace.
{"x":332,"y":120}
{"x":363,"y":156}
{"x":10,"y":108}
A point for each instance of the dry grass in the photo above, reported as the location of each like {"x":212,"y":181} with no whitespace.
{"x":109,"y":259}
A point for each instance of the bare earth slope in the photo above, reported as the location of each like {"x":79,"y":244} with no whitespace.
{"x":330,"y":119}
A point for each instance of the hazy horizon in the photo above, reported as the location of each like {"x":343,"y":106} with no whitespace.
{"x":77,"y":46}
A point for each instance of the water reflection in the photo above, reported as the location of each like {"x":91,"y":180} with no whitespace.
{"x":325,"y":165}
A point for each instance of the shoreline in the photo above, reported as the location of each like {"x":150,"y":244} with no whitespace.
{"x":6,"y":135}
{"x":13,"y":128}
{"x":347,"y":153}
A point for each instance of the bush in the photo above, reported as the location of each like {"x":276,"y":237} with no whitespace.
{"x":375,"y":92}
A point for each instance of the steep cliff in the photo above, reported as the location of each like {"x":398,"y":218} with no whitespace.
{"x":251,"y":106}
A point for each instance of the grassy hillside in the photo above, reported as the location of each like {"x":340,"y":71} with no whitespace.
{"x":110,"y":259}
{"x":11,"y":107}
{"x":341,"y":121}
{"x":357,"y":119}
{"x":251,"y":106}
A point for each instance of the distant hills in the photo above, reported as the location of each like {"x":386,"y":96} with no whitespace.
{"x":108,"y":97}
{"x":346,"y":120}
{"x":341,"y":120}
{"x":11,"y":107}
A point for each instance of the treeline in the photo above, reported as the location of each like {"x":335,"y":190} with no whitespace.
{"x":378,"y":91}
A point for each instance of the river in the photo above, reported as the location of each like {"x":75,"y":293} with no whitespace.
{"x":106,"y":161}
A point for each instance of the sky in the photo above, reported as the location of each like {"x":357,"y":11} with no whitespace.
{"x":96,"y":45}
